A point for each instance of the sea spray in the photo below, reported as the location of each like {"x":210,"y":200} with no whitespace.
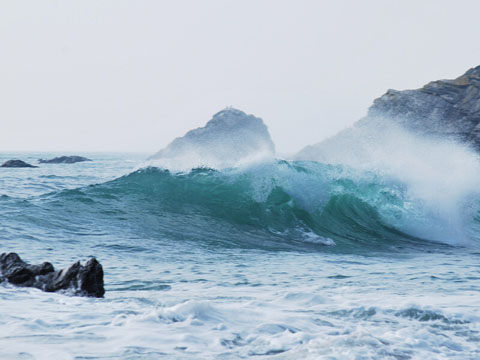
{"x":279,"y":204}
{"x":230,"y":139}
{"x":441,"y":177}
{"x":222,"y":257}
{"x":229,"y":264}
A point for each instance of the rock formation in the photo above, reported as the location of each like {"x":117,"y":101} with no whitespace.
{"x":17,"y":164}
{"x":81,"y":280}
{"x":229,"y":138}
{"x":64,"y":160}
{"x":444,"y":108}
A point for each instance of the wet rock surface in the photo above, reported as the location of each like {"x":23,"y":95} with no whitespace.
{"x":79,"y":280}
{"x":64,"y":160}
{"x":16,"y":164}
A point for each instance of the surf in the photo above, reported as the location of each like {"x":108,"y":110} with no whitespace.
{"x":275,"y":205}
{"x":373,"y":186}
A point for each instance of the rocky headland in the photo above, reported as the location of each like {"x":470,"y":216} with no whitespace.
{"x":443,"y":108}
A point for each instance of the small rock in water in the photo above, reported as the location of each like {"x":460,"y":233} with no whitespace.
{"x":64,"y":160}
{"x":17,"y":164}
{"x":82,"y":280}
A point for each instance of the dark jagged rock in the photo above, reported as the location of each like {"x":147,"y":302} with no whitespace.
{"x":82,"y":280}
{"x":64,"y":160}
{"x":445,"y":108}
{"x":17,"y":164}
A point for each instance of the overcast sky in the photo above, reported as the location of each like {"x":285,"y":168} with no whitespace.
{"x":132,"y":75}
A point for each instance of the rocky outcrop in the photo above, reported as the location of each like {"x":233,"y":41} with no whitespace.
{"x":448,"y":109}
{"x":80,"y":280}
{"x":228,"y":139}
{"x":16,"y":164}
{"x":64,"y":160}
{"x":445,"y":108}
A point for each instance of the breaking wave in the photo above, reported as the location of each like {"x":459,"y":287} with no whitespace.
{"x":273,"y":204}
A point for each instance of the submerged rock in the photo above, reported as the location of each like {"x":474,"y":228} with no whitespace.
{"x":230,"y":138}
{"x":64,"y":160}
{"x":82,"y":280}
{"x":17,"y":164}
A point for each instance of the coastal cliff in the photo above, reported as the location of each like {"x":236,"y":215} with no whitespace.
{"x":445,"y":107}
{"x":448,"y":109}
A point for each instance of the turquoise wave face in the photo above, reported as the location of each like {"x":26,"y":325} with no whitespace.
{"x":280,"y":205}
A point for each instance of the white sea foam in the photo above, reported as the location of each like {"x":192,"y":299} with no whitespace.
{"x":311,"y":237}
{"x":441,"y":176}
{"x":303,"y":306}
{"x":189,"y":297}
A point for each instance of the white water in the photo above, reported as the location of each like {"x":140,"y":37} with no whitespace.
{"x":186,"y":299}
{"x":441,"y":177}
{"x":181,"y":298}
{"x":231,"y":305}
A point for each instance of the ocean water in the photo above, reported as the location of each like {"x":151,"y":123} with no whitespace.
{"x":273,"y":260}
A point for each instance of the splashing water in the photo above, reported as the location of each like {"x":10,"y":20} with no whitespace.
{"x":338,"y":254}
{"x":440,"y":176}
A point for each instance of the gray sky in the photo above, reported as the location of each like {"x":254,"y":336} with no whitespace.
{"x":132,"y":75}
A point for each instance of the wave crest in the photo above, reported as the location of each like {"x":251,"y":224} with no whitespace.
{"x":280,"y":204}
